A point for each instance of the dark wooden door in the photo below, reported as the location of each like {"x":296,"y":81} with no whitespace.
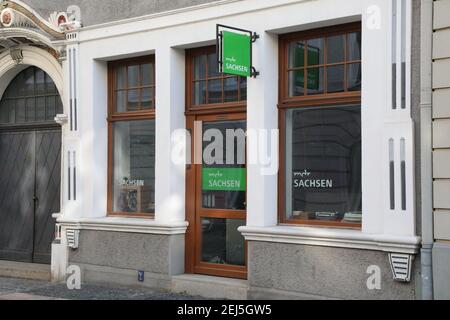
{"x":29,"y":194}
{"x":17,"y":174}
{"x":47,"y":194}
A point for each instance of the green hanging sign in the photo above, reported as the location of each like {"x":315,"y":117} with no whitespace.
{"x":236,"y":54}
{"x":235,"y":51}
{"x":224,"y":179}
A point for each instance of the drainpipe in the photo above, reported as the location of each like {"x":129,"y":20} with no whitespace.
{"x":426,"y":118}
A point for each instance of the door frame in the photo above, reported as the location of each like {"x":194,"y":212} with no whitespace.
{"x":193,"y":263}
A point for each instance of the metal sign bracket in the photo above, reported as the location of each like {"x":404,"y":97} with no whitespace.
{"x":219,"y":36}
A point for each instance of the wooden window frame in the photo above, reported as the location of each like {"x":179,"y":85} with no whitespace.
{"x":114,"y":117}
{"x":285,"y":101}
{"x":316,"y":100}
{"x":208,"y":108}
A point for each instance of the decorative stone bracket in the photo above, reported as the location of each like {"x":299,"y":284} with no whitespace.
{"x":16,"y":55}
{"x":401,"y":266}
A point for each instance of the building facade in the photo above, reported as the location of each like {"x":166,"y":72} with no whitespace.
{"x":441,"y":163}
{"x":310,"y":179}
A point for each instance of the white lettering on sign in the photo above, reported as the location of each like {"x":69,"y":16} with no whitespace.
{"x":231,"y":65}
{"x":134,"y":183}
{"x":235,"y":67}
{"x":302,"y":180}
{"x":225,"y":184}
{"x":313,"y":183}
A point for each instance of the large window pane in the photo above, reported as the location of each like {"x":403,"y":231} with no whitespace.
{"x":222,"y":243}
{"x":40,"y":82}
{"x":296,"y":83}
{"x":296,"y":55}
{"x":354,"y":46}
{"x":133,"y":100}
{"x":323,"y":164}
{"x":215,"y":91}
{"x":134,"y":166}
{"x":50,"y":85}
{"x":200,"y":67}
{"x":20,"y":111}
{"x":243,"y":84}
{"x":147,"y":98}
{"x":209,"y":86}
{"x":199,"y":92}
{"x":31,"y":109}
{"x":315,"y":80}
{"x":51,"y":107}
{"x":231,"y":89}
{"x":213,"y":69}
{"x":147,"y":75}
{"x":354,"y":77}
{"x":133,"y":76}
{"x":40,"y":109}
{"x":336,"y":49}
{"x":121,"y":101}
{"x":335,"y":79}
{"x":316,"y":51}
{"x":224,"y":174}
{"x":121,"y":77}
{"x":28,"y":86}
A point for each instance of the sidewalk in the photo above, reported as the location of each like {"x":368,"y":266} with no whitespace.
{"x":18,"y":289}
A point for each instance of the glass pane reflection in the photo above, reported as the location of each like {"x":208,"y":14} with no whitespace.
{"x":323,"y":164}
{"x":228,"y":189}
{"x":222,"y":243}
{"x":134,"y":166}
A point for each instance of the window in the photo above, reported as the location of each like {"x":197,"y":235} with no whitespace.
{"x":322,"y":63}
{"x":320,"y":116}
{"x":132,"y":137}
{"x":209,"y":88}
{"x":31,"y":97}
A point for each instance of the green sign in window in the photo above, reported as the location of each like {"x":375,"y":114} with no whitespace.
{"x":224,"y":179}
{"x":236,"y":54}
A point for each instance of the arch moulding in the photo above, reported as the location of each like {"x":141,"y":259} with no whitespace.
{"x":32,"y":56}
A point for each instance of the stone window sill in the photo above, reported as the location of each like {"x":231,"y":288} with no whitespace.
{"x":332,"y":238}
{"x":118,"y":224}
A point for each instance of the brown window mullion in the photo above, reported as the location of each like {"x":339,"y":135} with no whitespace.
{"x":346,"y":56}
{"x":325,"y":71}
{"x":239,"y":87}
{"x":126,"y":86}
{"x":223,"y":90}
{"x":206,"y":81}
{"x":305,"y":69}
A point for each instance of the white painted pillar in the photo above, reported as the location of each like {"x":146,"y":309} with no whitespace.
{"x":262,"y":114}
{"x":71,"y":180}
{"x":170,"y":93}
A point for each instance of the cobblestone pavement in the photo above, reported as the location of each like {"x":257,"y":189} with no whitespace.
{"x":18,"y":289}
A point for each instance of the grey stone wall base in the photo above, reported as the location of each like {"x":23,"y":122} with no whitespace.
{"x":256,"y":293}
{"x":441,"y":271}
{"x":116,"y":257}
{"x":101,"y":275}
{"x":311,"y":272}
{"x":210,"y":287}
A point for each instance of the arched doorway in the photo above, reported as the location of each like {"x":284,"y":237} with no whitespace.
{"x":30,"y":166}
